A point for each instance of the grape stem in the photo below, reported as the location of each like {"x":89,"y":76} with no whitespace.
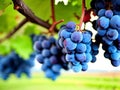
{"x":83,"y":14}
{"x":51,"y":29}
{"x":54,"y":22}
{"x":24,"y":10}
{"x":10,"y":34}
{"x":53,"y":11}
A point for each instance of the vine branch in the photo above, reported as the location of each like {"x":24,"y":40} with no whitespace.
{"x":53,"y":11}
{"x":24,"y":10}
{"x":83,"y":13}
{"x":54,"y":22}
{"x":24,"y":21}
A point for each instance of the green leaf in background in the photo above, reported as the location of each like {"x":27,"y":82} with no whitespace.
{"x":4,"y":4}
{"x":67,"y":12}
{"x":22,"y":45}
{"x":5,"y":47}
{"x":79,"y":2}
{"x":8,"y":19}
{"x":40,"y":8}
{"x":33,"y":29}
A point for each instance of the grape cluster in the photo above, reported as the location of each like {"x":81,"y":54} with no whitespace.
{"x":108,"y":33}
{"x":14,"y":64}
{"x":50,"y":56}
{"x":76,"y":46}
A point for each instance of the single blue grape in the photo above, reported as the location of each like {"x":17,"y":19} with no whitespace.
{"x":77,"y":68}
{"x":37,"y":46}
{"x":95,"y":46}
{"x":95,"y":52}
{"x":46,"y":53}
{"x":88,"y":58}
{"x":84,"y":66}
{"x":44,"y":67}
{"x":52,"y":40}
{"x":107,"y":55}
{"x":112,"y":49}
{"x":109,"y":13}
{"x":70,"y":26}
{"x":107,"y":41}
{"x":86,"y":37}
{"x":115,"y":56}
{"x":70,"y":57}
{"x":42,"y":38}
{"x":101,"y":32}
{"x":115,"y":22}
{"x":69,"y":45}
{"x":101,"y":12}
{"x":56,"y":68}
{"x":65,"y":34}
{"x":40,"y":58}
{"x":93,"y":59}
{"x":115,"y":63}
{"x":47,"y":62}
{"x":81,"y":48}
{"x":50,"y":74}
{"x":104,"y":22}
{"x":76,"y":36}
{"x":112,"y":34}
{"x":53,"y":59}
{"x":54,"y":50}
{"x":81,"y":57}
{"x":46,"y":44}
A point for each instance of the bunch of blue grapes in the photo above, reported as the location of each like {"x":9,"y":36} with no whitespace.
{"x":14,"y":64}
{"x":50,"y":56}
{"x":76,"y":46}
{"x":108,"y":33}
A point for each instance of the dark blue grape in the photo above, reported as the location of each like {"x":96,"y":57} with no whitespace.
{"x":86,"y":37}
{"x":115,"y":63}
{"x":56,"y":68}
{"x":69,"y":45}
{"x":109,"y":13}
{"x":81,"y":48}
{"x":65,"y":34}
{"x":104,"y":22}
{"x":101,"y":12}
{"x":70,"y":26}
{"x":77,"y":68}
{"x":70,"y":57}
{"x":76,"y":36}
{"x":46,"y":44}
{"x":112,"y":34}
{"x":81,"y":57}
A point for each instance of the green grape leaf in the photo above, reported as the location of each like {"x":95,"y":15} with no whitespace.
{"x":79,"y":2}
{"x":5,"y":47}
{"x":33,"y":29}
{"x":22,"y":45}
{"x":67,"y":12}
{"x":40,"y":8}
{"x":8,"y":19}
{"x":4,"y":4}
